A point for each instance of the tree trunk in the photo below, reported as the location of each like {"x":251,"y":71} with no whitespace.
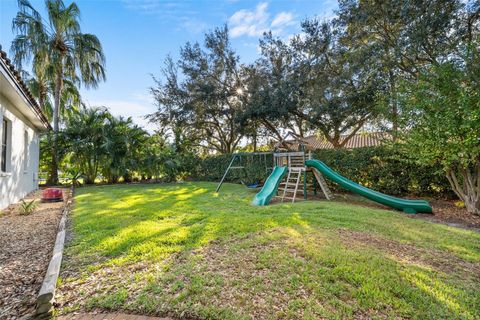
{"x":254,"y":139}
{"x":41,"y":98}
{"x":394,"y":105}
{"x":335,"y":139}
{"x":467,"y":188}
{"x":53,"y":178}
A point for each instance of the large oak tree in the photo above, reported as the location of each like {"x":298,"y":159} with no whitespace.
{"x":200,"y":96}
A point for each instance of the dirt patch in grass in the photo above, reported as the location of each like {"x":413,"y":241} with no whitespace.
{"x":276,"y":274}
{"x":259,"y":276}
{"x":228,"y":279}
{"x":81,"y":291}
{"x":444,"y":211}
{"x":238,"y":276}
{"x":435,"y":259}
{"x":26,"y":244}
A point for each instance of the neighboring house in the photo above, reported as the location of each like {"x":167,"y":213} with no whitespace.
{"x":359,"y":140}
{"x":21,"y":123}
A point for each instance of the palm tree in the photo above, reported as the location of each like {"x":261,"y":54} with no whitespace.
{"x":85,"y":135}
{"x":39,"y":86}
{"x":59,"y":45}
{"x":42,"y":88}
{"x":123,"y":143}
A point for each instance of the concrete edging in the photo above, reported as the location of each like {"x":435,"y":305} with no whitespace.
{"x":46,"y":296}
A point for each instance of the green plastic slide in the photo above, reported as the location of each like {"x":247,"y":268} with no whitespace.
{"x":270,"y":187}
{"x":407,"y":206}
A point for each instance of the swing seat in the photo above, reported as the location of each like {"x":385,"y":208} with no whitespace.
{"x":242,"y":165}
{"x":252,"y":185}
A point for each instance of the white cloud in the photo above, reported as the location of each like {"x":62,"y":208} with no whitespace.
{"x":283,"y":19}
{"x":144,"y":6}
{"x":328,"y":12}
{"x":136,"y":108}
{"x":142,"y":97}
{"x":169,"y":11}
{"x":254,"y":23}
{"x":194,"y":25}
{"x":248,"y":22}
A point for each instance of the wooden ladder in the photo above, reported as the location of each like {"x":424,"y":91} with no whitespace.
{"x":291,"y":184}
{"x":323,"y":184}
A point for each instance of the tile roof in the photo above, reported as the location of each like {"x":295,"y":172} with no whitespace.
{"x":23,"y":88}
{"x":359,"y":140}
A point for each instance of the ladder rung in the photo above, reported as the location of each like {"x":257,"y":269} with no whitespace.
{"x":237,"y":167}
{"x":293,"y":198}
{"x":299,"y":190}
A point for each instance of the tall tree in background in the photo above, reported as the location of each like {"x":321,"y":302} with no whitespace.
{"x":337,"y":82}
{"x":42,"y":89}
{"x":272,"y":92}
{"x":441,"y":110}
{"x":319,"y":81}
{"x":122,"y":146}
{"x":59,"y":44}
{"x":404,"y":36}
{"x":85,"y":136}
{"x":207,"y":100}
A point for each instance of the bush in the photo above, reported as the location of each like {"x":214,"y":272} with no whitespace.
{"x":381,"y":168}
{"x":256,"y":169}
{"x":386,"y":170}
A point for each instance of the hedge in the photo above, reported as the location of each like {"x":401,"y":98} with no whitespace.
{"x":386,"y":170}
{"x":256,"y":168}
{"x":380,"y":168}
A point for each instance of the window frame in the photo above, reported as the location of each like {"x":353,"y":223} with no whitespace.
{"x":4,"y":146}
{"x":25,"y":150}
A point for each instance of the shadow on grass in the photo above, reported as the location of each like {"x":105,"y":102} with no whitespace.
{"x":128,"y":224}
{"x":152,"y":221}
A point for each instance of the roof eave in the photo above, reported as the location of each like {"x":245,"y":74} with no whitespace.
{"x":23,"y":90}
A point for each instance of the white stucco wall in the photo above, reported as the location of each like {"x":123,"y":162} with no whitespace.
{"x":19,"y":180}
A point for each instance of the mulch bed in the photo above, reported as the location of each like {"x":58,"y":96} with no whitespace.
{"x":445,"y":211}
{"x":26,"y":244}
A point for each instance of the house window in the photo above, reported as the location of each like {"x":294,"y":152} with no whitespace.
{"x":3,"y":150}
{"x":25,"y":150}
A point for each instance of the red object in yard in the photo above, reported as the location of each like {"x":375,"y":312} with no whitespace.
{"x":52,"y":195}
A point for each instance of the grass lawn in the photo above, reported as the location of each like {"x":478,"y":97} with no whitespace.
{"x":186,"y":252}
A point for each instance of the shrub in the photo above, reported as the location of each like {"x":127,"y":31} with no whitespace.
{"x":386,"y":170}
{"x":27,"y":208}
{"x":381,"y":168}
{"x":256,"y":168}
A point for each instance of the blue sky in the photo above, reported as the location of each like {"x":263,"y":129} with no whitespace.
{"x":137,"y":35}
